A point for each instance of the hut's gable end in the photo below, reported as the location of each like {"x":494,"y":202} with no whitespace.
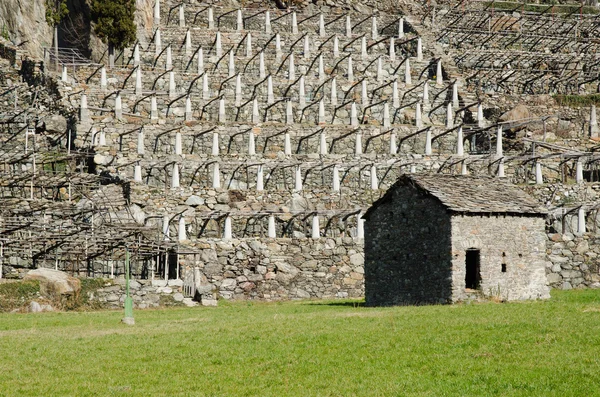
{"x":407,"y":249}
{"x":511,"y":253}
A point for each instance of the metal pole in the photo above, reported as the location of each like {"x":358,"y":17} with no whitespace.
{"x":128,"y":301}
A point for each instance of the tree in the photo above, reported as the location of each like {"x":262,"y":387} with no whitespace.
{"x":114,"y":23}
{"x":56,"y":10}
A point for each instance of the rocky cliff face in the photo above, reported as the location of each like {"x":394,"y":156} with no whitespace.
{"x":24,"y":22}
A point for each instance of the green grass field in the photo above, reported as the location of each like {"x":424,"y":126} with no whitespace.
{"x":309,"y":348}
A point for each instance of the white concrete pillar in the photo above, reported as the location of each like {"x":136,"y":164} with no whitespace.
{"x":216,"y":177}
{"x":306,"y":51}
{"x":501,"y":168}
{"x":499,"y":141}
{"x":227,"y":233}
{"x":238,"y":90}
{"x":407,"y":77}
{"x":455,"y":95}
{"x":323,"y":143}
{"x":426,"y":95}
{"x":118,"y":107}
{"x":581,"y":229}
{"x":287,"y":145}
{"x":102,"y":138}
{"x":374,"y":179}
{"x":267,"y":22}
{"x":277,"y":45}
{"x":297,"y":179}
{"x":249,"y":45}
{"x":137,"y":173}
{"x":360,"y":227}
{"x":261,"y":65}
{"x":182,"y":235}
{"x":419,"y":50}
{"x":428,"y":142}
{"x":240,"y":20}
{"x":350,"y":69}
{"x":138,"y":81}
{"x":178,"y":146}
{"x":418,"y":117}
{"x":141,"y":149}
{"x":353,"y":115}
{"x":153,"y":108}
{"x":200,"y":60}
{"x":181,"y":16}
{"x":316,"y":231}
{"x":395,"y":96}
{"x":291,"y":68}
{"x":260,"y":186}
{"x":63,"y":75}
{"x":215,"y":144}
{"x":270,"y":95}
{"x":321,"y":117}
{"x":374,"y":33}
{"x":255,"y":115}
{"x":294,"y":23}
{"x":364,"y":94}
{"x":289,"y":113}
{"x":205,"y":86}
{"x":413,"y":169}
{"x":363,"y":47}
{"x":348,"y":26}
{"x":460,"y":149}
{"x":251,"y":143}
{"x":334,"y":100}
{"x":594,"y":130}
{"x":165,"y":225}
{"x":449,"y":116}
{"x":579,"y":171}
{"x":84,"y":113}
{"x":157,"y":43}
{"x":386,"y":115}
{"x":136,"y":54}
{"x":539,"y":179}
{"x":211,"y":18}
{"x":463,"y":168}
{"x":322,"y":26}
{"x":169,"y":62}
{"x":392,"y":52}
{"x":103,"y":82}
{"x":218,"y":47}
{"x":336,"y":47}
{"x":271,"y":229}
{"x":358,"y":144}
{"x":222,"y":116}
{"x":172,"y":92}
{"x":301,"y":93}
{"x":401,"y":28}
{"x":157,"y":12}
{"x":393,"y":144}
{"x":231,"y":68}
{"x":480,"y":115}
{"x":439,"y":75}
{"x":175,"y":176}
{"x":336,"y":179}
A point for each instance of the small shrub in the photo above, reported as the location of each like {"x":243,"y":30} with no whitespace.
{"x":18,"y":294}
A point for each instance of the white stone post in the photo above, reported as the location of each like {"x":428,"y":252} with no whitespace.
{"x":238,"y":90}
{"x":581,"y":221}
{"x":270,"y":95}
{"x":287,"y":145}
{"x":363,"y":47}
{"x":248,"y":45}
{"x":322,"y":26}
{"x":103,"y":82}
{"x":240,"y":20}
{"x":306,"y":51}
{"x":393,"y":144}
{"x":538,"y":173}
{"x":364,"y":94}
{"x":460,"y":149}
{"x":321,"y":68}
{"x":251,"y":144}
{"x":379,"y":70}
{"x":289,"y":113}
{"x":392,"y":52}
{"x":316,"y":232}
{"x":231,"y":68}
{"x":211,"y":18}
{"x":374,"y":33}
{"x":291,"y":68}
{"x":255,"y":116}
{"x":178,"y":146}
{"x":336,"y":179}
{"x":222,"y":116}
{"x":118,"y":107}
{"x":426,"y":95}
{"x":297,"y":179}
{"x":428,"y":143}
{"x":63,"y":75}
{"x":153,"y":108}
{"x":360,"y":227}
{"x":141,"y":149}
{"x":205,"y":89}
{"x":322,"y":143}
{"x":321,"y":117}
{"x":301,"y":93}
{"x":333,"y":100}
{"x":182,"y":235}
{"x":267,"y":22}
{"x":200,"y":60}
{"x":137,"y":173}
{"x":172,"y":92}
{"x":157,"y":43}
{"x":353,"y":115}
{"x":413,"y":169}
{"x":218,"y":47}
{"x":499,"y":152}
{"x":84,"y":113}
{"x":418,"y":117}
{"x":350,"y":69}
{"x":579,"y":171}
{"x":277,"y":46}
{"x":395,"y":96}
{"x":386,"y":115}
{"x":455,"y":95}
{"x":102,"y":138}
{"x":449,"y":116}
{"x":480,"y":115}
{"x":261,"y":65}
{"x":215,"y":144}
{"x":216,"y":179}
{"x":501,"y":168}
{"x":439,"y":75}
{"x":348,"y":26}
{"x":175,"y":176}
{"x":271,"y":230}
{"x":294,"y":23}
{"x":594,"y":130}
{"x":138,"y":81}
{"x":336,"y":47}
{"x":358,"y":144}
{"x":165,"y":226}
{"x":463,"y":168}
{"x":374,"y":180}
{"x":227,"y":234}
{"x":181,"y":16}
{"x":136,"y":55}
{"x":157,"y":13}
{"x":401,"y":28}
{"x":419,"y":50}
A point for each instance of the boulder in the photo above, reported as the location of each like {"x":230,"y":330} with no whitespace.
{"x":519,"y":112}
{"x":55,"y":124}
{"x":54,"y":283}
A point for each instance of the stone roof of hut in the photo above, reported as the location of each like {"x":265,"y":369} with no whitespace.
{"x":470,"y":194}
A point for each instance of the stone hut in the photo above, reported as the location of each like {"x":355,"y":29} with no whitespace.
{"x":443,"y":238}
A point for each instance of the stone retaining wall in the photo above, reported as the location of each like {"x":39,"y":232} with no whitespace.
{"x":573,"y":261}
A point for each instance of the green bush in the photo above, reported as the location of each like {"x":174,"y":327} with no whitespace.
{"x":114,"y":22}
{"x":17,"y":294}
{"x":577,"y":100}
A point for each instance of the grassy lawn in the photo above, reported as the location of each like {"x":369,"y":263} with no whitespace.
{"x":310,"y":348}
